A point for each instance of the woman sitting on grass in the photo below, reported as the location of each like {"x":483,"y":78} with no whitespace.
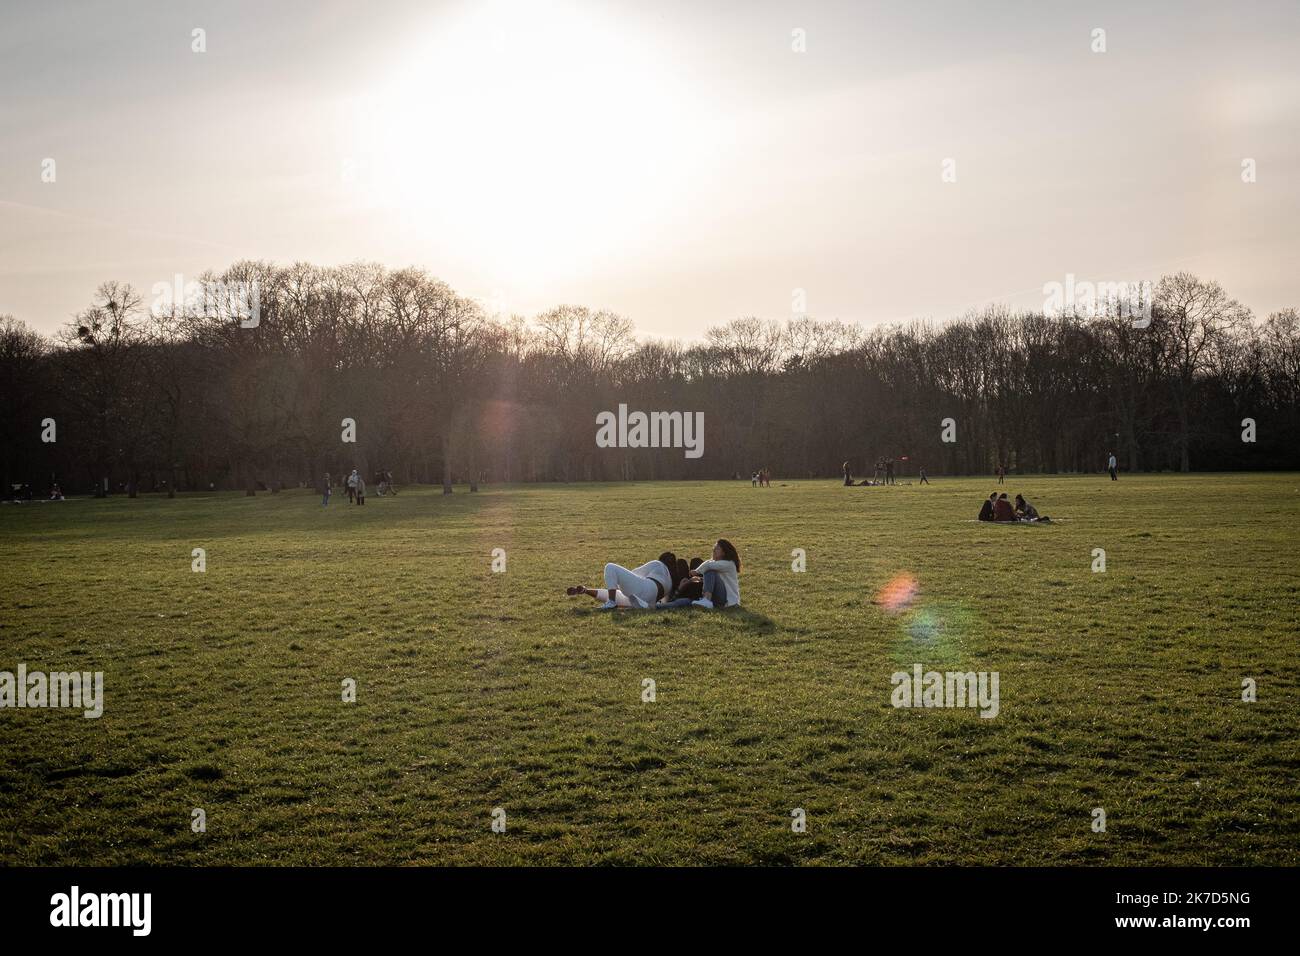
{"x":720,"y":577}
{"x":1027,"y":512}
{"x":639,"y":587}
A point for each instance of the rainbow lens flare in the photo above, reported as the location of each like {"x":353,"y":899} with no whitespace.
{"x":924,"y":626}
{"x":898,"y":594}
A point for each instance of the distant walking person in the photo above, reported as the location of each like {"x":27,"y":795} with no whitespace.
{"x":1113,"y":467}
{"x":361,"y":490}
{"x":924,"y":480}
{"x":325,"y":490}
{"x":889,"y":471}
{"x":848,"y":475}
{"x":1002,"y":474}
{"x":352,"y":485}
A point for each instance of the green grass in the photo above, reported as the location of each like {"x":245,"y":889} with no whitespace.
{"x":476,"y":690}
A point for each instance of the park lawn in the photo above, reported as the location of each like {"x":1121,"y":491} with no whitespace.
{"x":477,"y":690}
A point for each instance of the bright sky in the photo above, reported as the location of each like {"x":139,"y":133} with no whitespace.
{"x":677,"y":161}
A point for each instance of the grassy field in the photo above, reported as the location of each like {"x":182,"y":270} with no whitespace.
{"x":477,"y":690}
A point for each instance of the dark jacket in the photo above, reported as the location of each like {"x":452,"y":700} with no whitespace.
{"x":986,"y":511}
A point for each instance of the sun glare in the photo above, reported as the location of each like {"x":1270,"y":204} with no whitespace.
{"x":540,"y":138}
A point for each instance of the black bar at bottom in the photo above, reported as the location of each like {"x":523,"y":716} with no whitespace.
{"x":333,"y":906}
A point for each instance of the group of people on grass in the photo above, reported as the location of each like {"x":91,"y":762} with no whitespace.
{"x":761,"y":478}
{"x":996,"y":507}
{"x":23,"y":491}
{"x":884,"y":475}
{"x":671,"y":582}
{"x":355,"y":484}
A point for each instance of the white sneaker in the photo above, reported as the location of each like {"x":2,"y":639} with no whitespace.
{"x":703,"y":602}
{"x":609,"y":605}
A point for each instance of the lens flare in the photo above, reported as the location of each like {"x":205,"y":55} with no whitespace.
{"x":898,"y":594}
{"x":924,"y":626}
{"x":941,"y":630}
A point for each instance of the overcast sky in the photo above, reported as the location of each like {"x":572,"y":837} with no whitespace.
{"x":682,"y":163}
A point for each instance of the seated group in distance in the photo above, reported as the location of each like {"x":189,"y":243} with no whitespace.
{"x":997,"y":508}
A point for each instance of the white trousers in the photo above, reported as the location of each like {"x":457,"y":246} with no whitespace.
{"x":642,"y":591}
{"x":622,"y":600}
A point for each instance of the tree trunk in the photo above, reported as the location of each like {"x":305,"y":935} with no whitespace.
{"x":1184,"y":459}
{"x":446,"y":463}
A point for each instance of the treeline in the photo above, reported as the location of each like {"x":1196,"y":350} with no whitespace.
{"x":188,"y":398}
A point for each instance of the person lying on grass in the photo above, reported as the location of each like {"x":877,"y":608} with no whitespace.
{"x":689,"y":586}
{"x":706,"y":584}
{"x":688,"y":589}
{"x":639,"y":587}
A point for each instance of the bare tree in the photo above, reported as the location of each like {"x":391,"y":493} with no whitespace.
{"x":22,"y":382}
{"x":441,"y":392}
{"x":102,"y":381}
{"x":1198,"y":319}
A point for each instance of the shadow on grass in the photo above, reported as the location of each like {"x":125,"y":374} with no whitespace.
{"x":740,"y":616}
